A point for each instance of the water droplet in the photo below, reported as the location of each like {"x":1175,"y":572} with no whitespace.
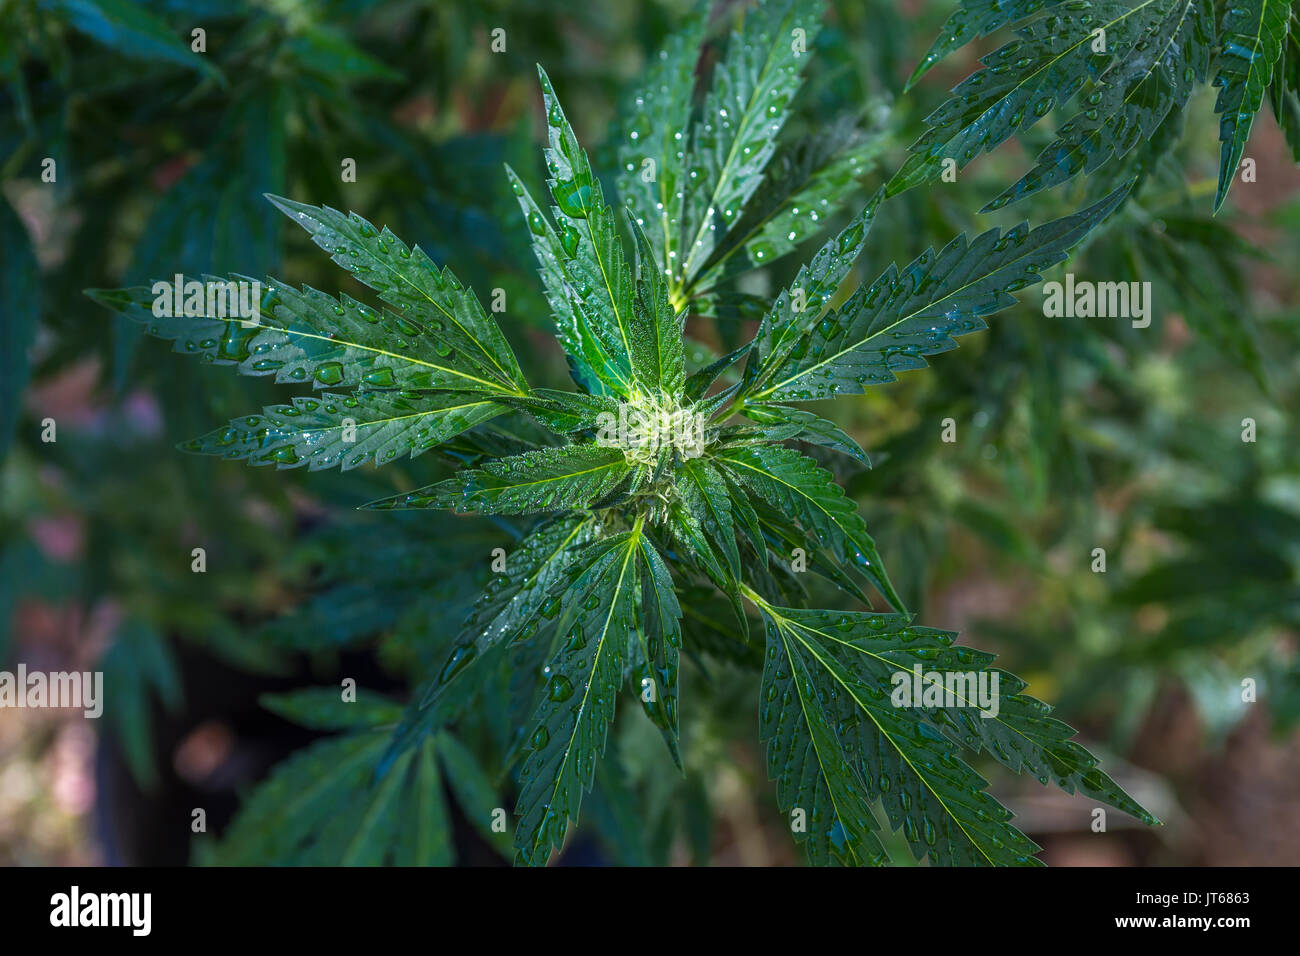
{"x":559,"y":689}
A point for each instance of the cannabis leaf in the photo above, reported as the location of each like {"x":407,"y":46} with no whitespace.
{"x":1251,"y":40}
{"x":1133,"y":67}
{"x":887,"y":326}
{"x":587,"y":671}
{"x":834,"y":672}
{"x":322,"y":806}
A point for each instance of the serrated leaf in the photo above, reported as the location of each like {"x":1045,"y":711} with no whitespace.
{"x":816,"y":785}
{"x":794,"y":485}
{"x":595,"y":367}
{"x":887,"y":327}
{"x":1129,"y":102}
{"x":699,"y":382}
{"x":574,"y":717}
{"x":323,"y":806}
{"x":598,"y":268}
{"x":511,"y":609}
{"x":743,"y":113}
{"x":346,"y":430}
{"x":883,"y":654}
{"x":938,"y":801}
{"x":658,"y":130}
{"x":1055,"y":55}
{"x":800,"y":305}
{"x":975,"y":18}
{"x":306,"y":335}
{"x":710,"y":502}
{"x":806,"y":183}
{"x":658,"y":359}
{"x":660,"y":636}
{"x":783,"y":535}
{"x":804,"y":425}
{"x":1250,"y":44}
{"x":432,"y":302}
{"x":549,"y":479}
{"x":567,"y":412}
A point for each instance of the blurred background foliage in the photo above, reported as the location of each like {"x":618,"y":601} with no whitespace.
{"x":1072,"y":435}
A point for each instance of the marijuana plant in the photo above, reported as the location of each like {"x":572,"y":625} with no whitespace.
{"x":656,"y":480}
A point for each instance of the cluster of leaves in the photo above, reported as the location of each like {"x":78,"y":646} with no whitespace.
{"x":160,"y":155}
{"x":591,"y":601}
{"x":1125,"y":70}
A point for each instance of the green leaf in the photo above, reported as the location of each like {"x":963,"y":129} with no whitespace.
{"x":658,"y":358}
{"x":306,"y":336}
{"x":804,"y":425}
{"x":328,"y":52}
{"x":566,"y":412}
{"x":517,"y":600}
{"x":574,"y":716}
{"x":1129,"y":102}
{"x":830,"y":812}
{"x":346,"y":430}
{"x":597,"y":267}
{"x":705,"y":493}
{"x":1022,"y":736}
{"x":1153,"y":51}
{"x":869,"y":748}
{"x":133,"y":31}
{"x":477,"y":797}
{"x":659,"y":635}
{"x":799,"y":306}
{"x":512,"y":608}
{"x":658,"y":131}
{"x":693,"y":549}
{"x":1250,"y":45}
{"x":433,"y":303}
{"x":794,"y":485}
{"x":783,"y":535}
{"x":549,"y":479}
{"x":975,"y":18}
{"x":287,"y":820}
{"x":743,"y":113}
{"x":888,"y":326}
{"x":323,"y":807}
{"x":139,"y":666}
{"x":430,"y":843}
{"x":805,"y":184}
{"x":595,"y":367}
{"x":323,"y":708}
{"x":875,"y":652}
{"x":699,"y":381}
{"x":317,"y":808}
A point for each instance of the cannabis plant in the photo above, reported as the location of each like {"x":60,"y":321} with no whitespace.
{"x":659,"y":478}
